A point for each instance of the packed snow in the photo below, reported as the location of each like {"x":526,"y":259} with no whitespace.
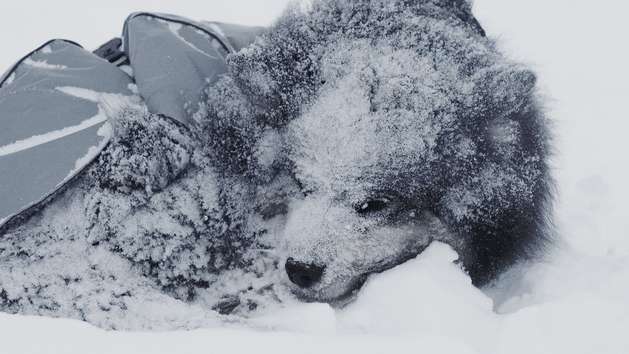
{"x":576,"y":300}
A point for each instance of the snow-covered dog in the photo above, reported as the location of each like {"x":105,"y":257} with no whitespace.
{"x":342,"y":143}
{"x":402,"y":124}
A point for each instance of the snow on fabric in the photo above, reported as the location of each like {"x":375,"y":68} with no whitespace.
{"x":48,"y":134}
{"x":42,"y":64}
{"x":108,"y":105}
{"x":51,"y":136}
{"x":172,"y":62}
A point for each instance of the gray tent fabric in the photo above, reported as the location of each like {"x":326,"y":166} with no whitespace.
{"x":238,"y":36}
{"x":55,"y":102}
{"x":52,"y":124}
{"x":174,"y":59}
{"x":172,"y":62}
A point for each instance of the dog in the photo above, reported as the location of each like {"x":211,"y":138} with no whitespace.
{"x":345,"y":140}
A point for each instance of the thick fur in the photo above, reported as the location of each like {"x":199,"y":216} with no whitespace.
{"x":349,"y":136}
{"x":406,"y":101}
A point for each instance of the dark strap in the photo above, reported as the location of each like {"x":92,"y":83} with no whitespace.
{"x":112,"y":52}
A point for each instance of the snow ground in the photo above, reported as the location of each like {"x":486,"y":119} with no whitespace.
{"x":577,"y":301}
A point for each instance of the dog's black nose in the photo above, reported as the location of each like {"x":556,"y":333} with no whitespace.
{"x":302,"y":274}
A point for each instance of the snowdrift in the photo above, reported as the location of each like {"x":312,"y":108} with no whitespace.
{"x":433,"y":309}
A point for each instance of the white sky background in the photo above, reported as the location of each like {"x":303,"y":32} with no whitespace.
{"x":580,"y":50}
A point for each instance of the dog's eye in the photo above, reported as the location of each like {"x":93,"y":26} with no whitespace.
{"x":372,"y":206}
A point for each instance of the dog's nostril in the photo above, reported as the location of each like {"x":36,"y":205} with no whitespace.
{"x":302,"y":274}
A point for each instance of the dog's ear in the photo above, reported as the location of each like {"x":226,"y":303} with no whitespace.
{"x":508,"y":88}
{"x":463,"y":10}
{"x":278,"y":73}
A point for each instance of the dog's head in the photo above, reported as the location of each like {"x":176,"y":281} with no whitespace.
{"x":401,"y":124}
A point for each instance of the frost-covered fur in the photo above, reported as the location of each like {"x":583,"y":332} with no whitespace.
{"x":348,"y":137}
{"x":402,"y":124}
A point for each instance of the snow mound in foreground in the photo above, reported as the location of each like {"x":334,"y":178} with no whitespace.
{"x":434,"y":297}
{"x":434,"y":308}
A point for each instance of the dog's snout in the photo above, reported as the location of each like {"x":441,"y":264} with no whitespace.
{"x":302,"y":274}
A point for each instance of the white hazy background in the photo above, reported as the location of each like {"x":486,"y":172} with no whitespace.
{"x":577,"y":302}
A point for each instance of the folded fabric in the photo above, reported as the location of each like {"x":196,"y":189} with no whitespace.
{"x":174,"y":59}
{"x":55,"y":103}
{"x":53,"y":120}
